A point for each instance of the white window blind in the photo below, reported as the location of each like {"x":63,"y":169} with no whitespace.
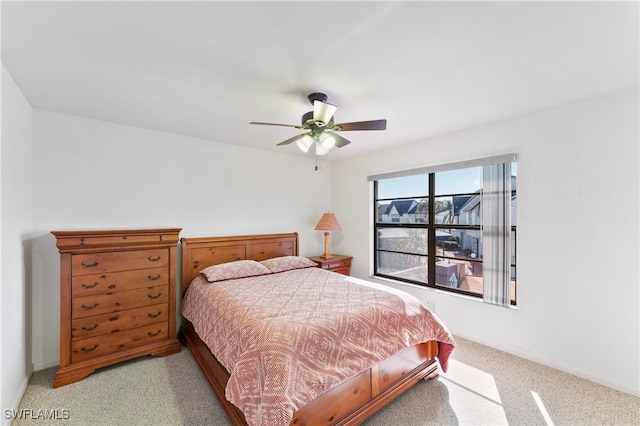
{"x":507,"y":158}
{"x":496,"y":232}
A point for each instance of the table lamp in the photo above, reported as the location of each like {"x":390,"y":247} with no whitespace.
{"x":327,"y":223}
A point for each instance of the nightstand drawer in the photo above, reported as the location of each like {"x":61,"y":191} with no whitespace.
{"x":336,"y":263}
{"x":344,"y":270}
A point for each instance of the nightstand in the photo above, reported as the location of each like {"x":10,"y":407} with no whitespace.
{"x":336,"y":263}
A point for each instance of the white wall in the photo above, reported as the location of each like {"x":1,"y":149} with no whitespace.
{"x":578,"y":281}
{"x":93,"y":174}
{"x":578,"y":299}
{"x":15,"y":230}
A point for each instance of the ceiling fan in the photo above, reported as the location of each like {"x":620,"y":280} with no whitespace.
{"x":321,"y":129}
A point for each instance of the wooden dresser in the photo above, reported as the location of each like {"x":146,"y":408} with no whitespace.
{"x":117,"y":298}
{"x":336,"y":263}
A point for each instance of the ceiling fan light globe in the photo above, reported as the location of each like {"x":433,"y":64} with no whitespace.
{"x":327,"y":141}
{"x":320,"y":150}
{"x":304,"y":143}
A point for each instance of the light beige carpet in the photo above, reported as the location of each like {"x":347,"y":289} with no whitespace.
{"x":482,"y":387}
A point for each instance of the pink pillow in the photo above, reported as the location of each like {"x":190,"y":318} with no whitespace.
{"x":286,"y":263}
{"x":231,"y":270}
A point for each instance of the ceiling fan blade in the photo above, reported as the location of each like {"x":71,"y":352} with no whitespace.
{"x":363,"y":125}
{"x":340,"y":141}
{"x":276,"y":124}
{"x":293,"y":139}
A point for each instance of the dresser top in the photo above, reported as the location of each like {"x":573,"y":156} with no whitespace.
{"x":70,"y":240}
{"x":123,"y":231}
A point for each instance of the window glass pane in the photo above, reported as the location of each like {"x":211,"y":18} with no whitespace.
{"x":459,"y":243}
{"x":447,"y":244}
{"x":458,"y":209}
{"x":514,"y":185}
{"x":406,"y":186}
{"x":406,"y":240}
{"x":443,"y":208}
{"x":473,"y":281}
{"x":460,"y":274}
{"x":461,"y":248}
{"x":405,"y":266}
{"x":402,"y":211}
{"x":514,"y":221}
{"x":460,"y":181}
{"x":512,"y":285}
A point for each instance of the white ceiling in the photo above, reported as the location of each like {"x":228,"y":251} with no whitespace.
{"x":206,"y":69}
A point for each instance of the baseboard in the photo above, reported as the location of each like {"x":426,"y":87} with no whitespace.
{"x":622,"y":387}
{"x":46,"y":364}
{"x":7,"y":416}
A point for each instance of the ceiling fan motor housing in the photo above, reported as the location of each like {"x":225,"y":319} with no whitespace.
{"x":317,"y":97}
{"x":314,"y":125}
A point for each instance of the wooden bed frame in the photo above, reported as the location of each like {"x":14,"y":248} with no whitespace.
{"x":349,"y":403}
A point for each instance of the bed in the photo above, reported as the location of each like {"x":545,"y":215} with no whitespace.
{"x":357,"y":388}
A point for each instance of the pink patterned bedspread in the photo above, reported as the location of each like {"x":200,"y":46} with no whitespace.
{"x":288,"y":337}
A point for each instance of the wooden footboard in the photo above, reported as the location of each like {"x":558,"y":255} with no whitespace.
{"x":349,"y":403}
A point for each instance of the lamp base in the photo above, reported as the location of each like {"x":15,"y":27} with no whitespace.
{"x":326,"y":254}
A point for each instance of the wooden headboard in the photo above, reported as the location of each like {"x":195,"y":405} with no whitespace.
{"x":198,"y":253}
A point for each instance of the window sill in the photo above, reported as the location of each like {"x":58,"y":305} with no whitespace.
{"x":438,"y":291}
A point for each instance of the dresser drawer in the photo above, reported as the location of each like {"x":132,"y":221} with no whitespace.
{"x":97,"y":325}
{"x":86,"y":264}
{"x":83,"y":285}
{"x":86,"y":306}
{"x":118,"y":341}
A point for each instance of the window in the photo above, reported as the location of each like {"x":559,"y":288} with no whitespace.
{"x":451,"y":227}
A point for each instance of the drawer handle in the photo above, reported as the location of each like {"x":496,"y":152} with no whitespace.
{"x":90,"y":307}
{"x":154,"y":277}
{"x":150,"y":315}
{"x":152,"y":334}
{"x":151,"y":296}
{"x":85,"y":285}
{"x":85,"y":349}
{"x":90,"y":265}
{"x":154,"y":258}
{"x":89,"y":328}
